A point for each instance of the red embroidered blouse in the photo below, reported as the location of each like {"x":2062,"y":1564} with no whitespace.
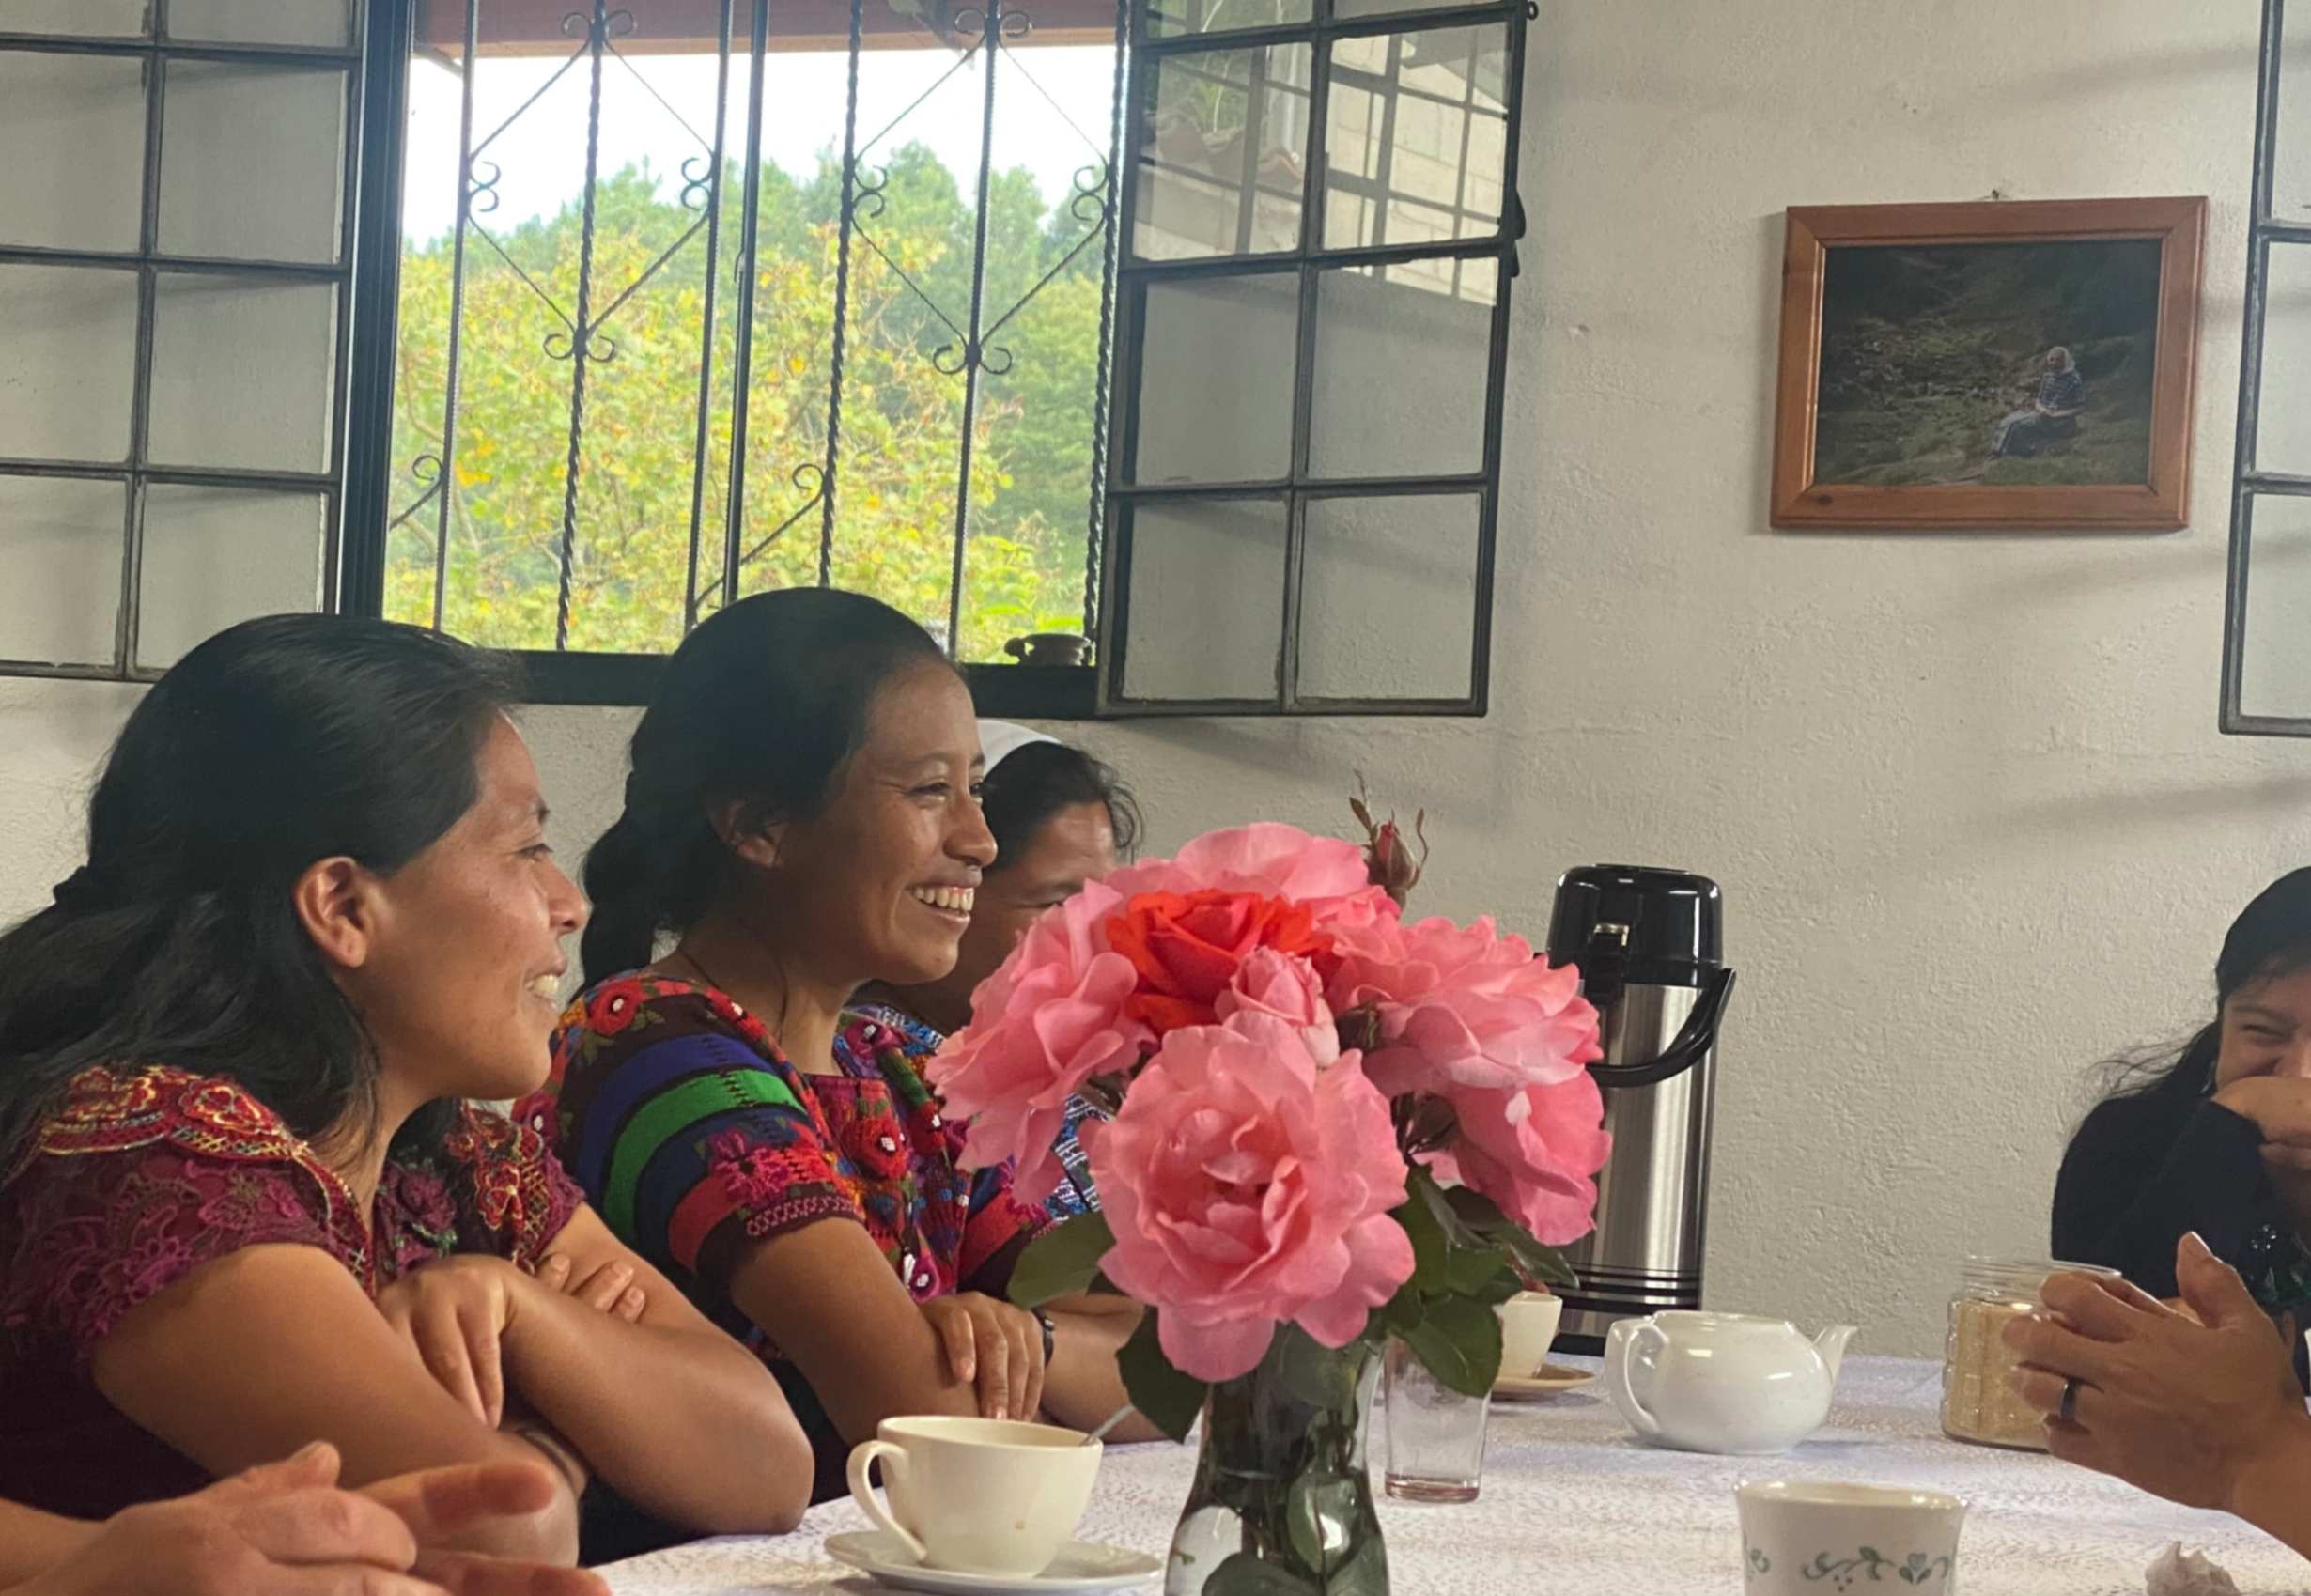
{"x":145,"y":1176}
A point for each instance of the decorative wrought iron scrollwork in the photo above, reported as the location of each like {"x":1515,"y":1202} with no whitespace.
{"x":482,"y":193}
{"x":867,"y":184}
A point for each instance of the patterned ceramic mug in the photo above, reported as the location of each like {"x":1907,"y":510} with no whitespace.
{"x":1814,"y":1538}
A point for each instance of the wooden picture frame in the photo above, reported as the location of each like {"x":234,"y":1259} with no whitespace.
{"x":1931,"y":416}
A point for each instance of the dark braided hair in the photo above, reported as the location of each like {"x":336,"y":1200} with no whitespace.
{"x":274,"y":744}
{"x":762,"y":703}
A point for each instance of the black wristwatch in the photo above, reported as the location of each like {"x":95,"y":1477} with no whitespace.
{"x":1049,"y":1335}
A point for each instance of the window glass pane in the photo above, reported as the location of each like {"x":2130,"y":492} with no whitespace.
{"x":2290,"y":166}
{"x":242,"y":373}
{"x":1215,"y":378}
{"x":68,"y":374}
{"x":1221,"y":161}
{"x":1205,"y":600}
{"x":84,"y":114}
{"x":215,"y":556}
{"x":325,"y":24}
{"x":2274,"y":645}
{"x":2283,"y":423}
{"x":252,"y":162}
{"x":91,"y":18}
{"x":1172,"y":18}
{"x":1387,"y":596}
{"x":1416,"y":137}
{"x":1401,"y":368}
{"x":60,"y":542}
{"x":1347,"y":10}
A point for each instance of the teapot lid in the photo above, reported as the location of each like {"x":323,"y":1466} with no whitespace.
{"x":1666,"y":919}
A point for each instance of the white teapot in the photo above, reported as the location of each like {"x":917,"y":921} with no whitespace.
{"x":1722,"y":1381}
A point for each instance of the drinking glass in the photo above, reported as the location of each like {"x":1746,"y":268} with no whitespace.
{"x":1436,"y":1435}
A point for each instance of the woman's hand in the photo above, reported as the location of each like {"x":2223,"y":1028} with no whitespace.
{"x":610,"y":1288}
{"x":2207,"y":1414}
{"x":283,"y":1530}
{"x":994,"y":1346}
{"x":2280,"y":1105}
{"x":455,"y":1312}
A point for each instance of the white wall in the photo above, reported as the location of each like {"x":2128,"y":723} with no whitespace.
{"x":1964,"y":794}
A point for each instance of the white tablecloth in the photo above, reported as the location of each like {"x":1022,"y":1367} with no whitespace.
{"x":1572,"y":1504}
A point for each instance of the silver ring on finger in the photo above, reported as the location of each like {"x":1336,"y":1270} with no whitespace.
{"x":2068,"y":1412}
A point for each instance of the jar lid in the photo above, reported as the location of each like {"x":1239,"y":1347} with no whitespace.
{"x":2017,"y":1279}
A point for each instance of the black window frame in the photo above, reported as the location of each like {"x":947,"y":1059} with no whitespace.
{"x":1023,"y":692}
{"x":157,"y":48}
{"x":2249,"y":480}
{"x":1308,"y":258}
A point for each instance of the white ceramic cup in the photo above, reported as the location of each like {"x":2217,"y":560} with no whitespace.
{"x":1528,"y":1330}
{"x":977,"y":1496}
{"x":1803,"y":1537}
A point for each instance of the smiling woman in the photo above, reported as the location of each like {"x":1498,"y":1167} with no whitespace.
{"x":2216,"y":1138}
{"x":803,"y":816}
{"x":244,"y":1205}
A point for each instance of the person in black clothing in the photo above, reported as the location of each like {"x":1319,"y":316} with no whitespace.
{"x":2216,"y":1140}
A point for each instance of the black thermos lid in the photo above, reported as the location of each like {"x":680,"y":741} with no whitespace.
{"x":1672,"y":917}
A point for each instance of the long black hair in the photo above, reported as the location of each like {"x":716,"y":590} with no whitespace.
{"x":2271,"y":936}
{"x":763,"y":703}
{"x":1036,"y":781}
{"x":276,"y":744}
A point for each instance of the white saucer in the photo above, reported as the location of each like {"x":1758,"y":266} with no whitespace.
{"x":1080,"y":1566}
{"x":1554,"y":1380}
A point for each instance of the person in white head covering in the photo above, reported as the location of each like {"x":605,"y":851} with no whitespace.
{"x":1060,"y":818}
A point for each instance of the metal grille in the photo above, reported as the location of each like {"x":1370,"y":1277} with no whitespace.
{"x":159,"y":464}
{"x":743,"y":507}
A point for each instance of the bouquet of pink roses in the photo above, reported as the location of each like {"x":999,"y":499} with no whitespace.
{"x":1323,"y":1114}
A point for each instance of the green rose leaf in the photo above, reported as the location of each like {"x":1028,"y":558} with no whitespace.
{"x":1482,"y":1217}
{"x":1423,"y":1218}
{"x":1062,"y":1261}
{"x":1484,"y":1275}
{"x":1365,"y":1573}
{"x":1168,"y":1399}
{"x":1242,"y":1573}
{"x":1459,"y":1341}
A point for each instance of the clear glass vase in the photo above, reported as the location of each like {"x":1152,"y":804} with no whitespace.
{"x":1281,"y":1505}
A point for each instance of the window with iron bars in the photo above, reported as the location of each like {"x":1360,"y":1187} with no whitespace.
{"x":626,"y":311}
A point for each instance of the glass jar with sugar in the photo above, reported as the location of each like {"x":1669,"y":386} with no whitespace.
{"x":1979,"y":1403}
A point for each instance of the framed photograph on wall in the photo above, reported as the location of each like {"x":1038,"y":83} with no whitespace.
{"x":2023,"y":363}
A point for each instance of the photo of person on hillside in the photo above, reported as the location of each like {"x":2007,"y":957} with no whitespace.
{"x":2001,"y":364}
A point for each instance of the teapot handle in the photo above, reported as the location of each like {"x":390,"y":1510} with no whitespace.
{"x":1622,"y":1388}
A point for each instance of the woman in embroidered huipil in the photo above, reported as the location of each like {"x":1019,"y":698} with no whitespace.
{"x":243,"y":1205}
{"x":803,"y":817}
{"x":1060,"y":818}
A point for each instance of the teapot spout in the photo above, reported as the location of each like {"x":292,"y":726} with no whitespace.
{"x":1831,"y":1344}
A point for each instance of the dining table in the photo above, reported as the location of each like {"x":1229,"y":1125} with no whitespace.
{"x":1571,"y":1502}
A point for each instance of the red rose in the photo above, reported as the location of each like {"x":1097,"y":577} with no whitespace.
{"x":1187,"y":947}
{"x":613,"y":1006}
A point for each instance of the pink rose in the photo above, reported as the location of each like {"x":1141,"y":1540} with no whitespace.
{"x":1247,"y":1187}
{"x":1287,"y":988}
{"x":1533,"y":1151}
{"x":1050,"y":1018}
{"x":1327,"y":876}
{"x":1462,"y":1008}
